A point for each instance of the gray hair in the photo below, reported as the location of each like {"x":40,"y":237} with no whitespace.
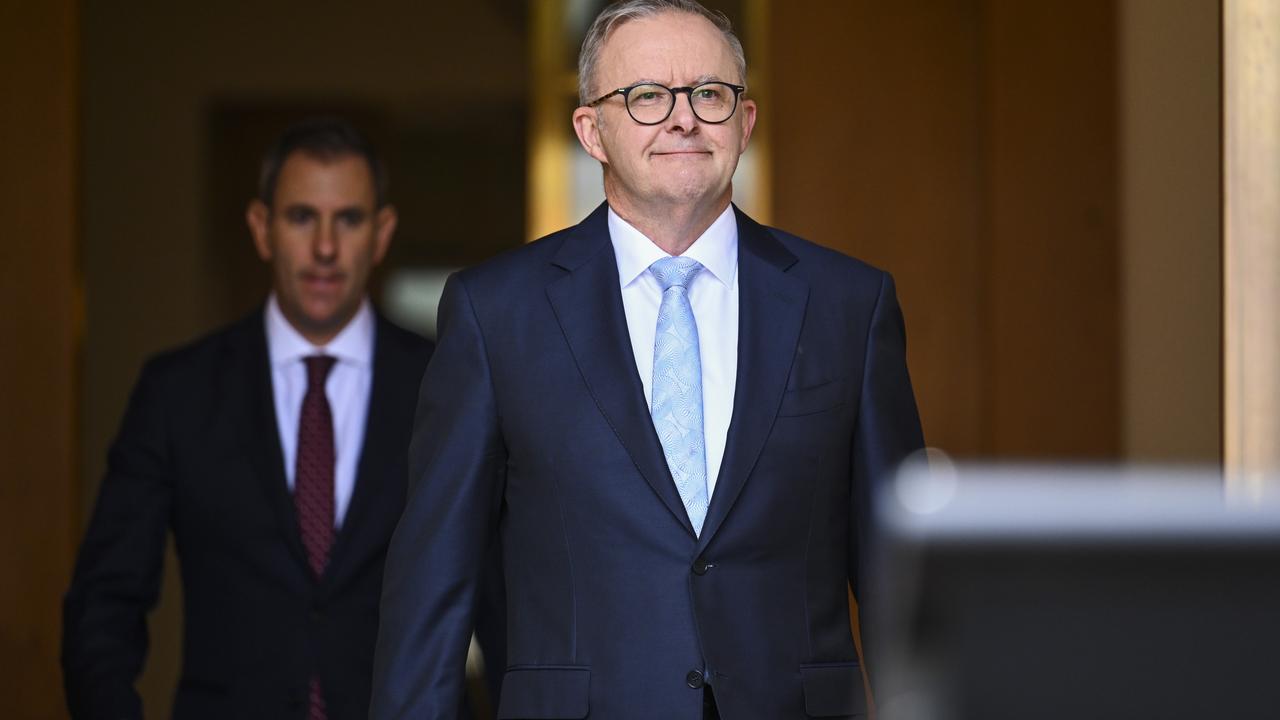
{"x":620,"y":13}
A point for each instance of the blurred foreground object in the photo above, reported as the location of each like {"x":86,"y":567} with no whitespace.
{"x":1041,"y":592}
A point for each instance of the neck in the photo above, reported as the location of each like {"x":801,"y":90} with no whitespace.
{"x":319,"y":338}
{"x":318,"y":333}
{"x":672,"y":227}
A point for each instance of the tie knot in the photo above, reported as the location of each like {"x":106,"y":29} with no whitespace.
{"x":675,"y":271}
{"x":318,"y":367}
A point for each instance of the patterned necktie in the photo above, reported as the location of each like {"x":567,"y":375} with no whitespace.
{"x":313,"y":481}
{"x":313,"y":489}
{"x":677,"y":386}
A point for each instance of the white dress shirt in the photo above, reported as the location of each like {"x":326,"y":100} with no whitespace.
{"x":347,"y":389}
{"x":714,"y":297}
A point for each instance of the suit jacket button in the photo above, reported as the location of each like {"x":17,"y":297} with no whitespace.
{"x":700,"y":566}
{"x":694,"y":679}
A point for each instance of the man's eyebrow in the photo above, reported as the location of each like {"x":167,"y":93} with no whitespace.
{"x":645,"y":81}
{"x":712,"y":77}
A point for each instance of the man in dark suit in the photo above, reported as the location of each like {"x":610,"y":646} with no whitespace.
{"x":274,"y":451}
{"x":669,"y":416}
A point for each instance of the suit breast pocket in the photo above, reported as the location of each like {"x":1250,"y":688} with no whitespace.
{"x":813,"y":399}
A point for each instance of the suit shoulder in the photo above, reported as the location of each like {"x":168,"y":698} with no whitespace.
{"x":823,"y":265}
{"x":808,"y":251}
{"x":206,"y":353}
{"x":515,"y":264}
{"x":516,"y":275}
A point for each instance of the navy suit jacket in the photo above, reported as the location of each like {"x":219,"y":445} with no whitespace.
{"x":198,"y":455}
{"x":532,"y":430}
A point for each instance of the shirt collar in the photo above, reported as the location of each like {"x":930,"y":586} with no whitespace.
{"x":353,"y":344}
{"x":716,"y":249}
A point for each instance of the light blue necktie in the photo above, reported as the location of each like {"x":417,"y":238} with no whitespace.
{"x":677,"y":386}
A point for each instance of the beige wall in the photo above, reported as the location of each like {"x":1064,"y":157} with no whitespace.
{"x":1172,"y":301}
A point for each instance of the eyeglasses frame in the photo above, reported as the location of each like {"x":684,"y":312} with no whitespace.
{"x":625,"y":92}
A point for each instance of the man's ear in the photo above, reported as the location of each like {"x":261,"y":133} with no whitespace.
{"x":386,"y":227}
{"x":748,"y":109}
{"x":258,"y":217}
{"x":586,"y":123}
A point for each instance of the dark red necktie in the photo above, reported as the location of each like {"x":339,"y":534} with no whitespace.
{"x":313,"y":487}
{"x":313,"y":483}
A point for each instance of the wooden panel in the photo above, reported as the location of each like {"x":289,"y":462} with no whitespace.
{"x":970,"y":149}
{"x":875,"y":125}
{"x":1171,"y":224}
{"x":1051,"y":250}
{"x":38,"y":291}
{"x":1251,"y":154}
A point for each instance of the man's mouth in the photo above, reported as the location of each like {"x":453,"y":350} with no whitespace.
{"x":322,"y":281}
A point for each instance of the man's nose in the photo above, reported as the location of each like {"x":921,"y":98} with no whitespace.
{"x":682,"y":117}
{"x":324,"y":246}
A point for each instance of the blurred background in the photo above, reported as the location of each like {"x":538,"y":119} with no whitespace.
{"x":1045,"y":180}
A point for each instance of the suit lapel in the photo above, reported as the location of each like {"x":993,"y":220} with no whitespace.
{"x":771,"y":307}
{"x":262,"y":434}
{"x":384,"y":436}
{"x":588,"y":304}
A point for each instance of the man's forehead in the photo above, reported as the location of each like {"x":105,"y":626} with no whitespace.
{"x":307,"y":174}
{"x":325,"y":182}
{"x":668,"y":47}
{"x":305,"y":161}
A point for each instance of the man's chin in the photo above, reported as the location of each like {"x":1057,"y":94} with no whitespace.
{"x":321,"y":319}
{"x":693,"y":193}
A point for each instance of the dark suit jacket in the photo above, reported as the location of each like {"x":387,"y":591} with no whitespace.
{"x":532,"y":427}
{"x":198,"y":454}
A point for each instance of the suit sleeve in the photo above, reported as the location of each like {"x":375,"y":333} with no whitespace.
{"x":888,"y":430}
{"x":436,"y":560}
{"x":117,"y":575}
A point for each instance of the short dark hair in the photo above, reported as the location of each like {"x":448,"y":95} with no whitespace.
{"x":325,"y":138}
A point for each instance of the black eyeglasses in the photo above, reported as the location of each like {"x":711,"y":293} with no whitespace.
{"x":651,"y":103}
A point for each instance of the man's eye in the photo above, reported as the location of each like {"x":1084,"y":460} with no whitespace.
{"x":351,"y":219}
{"x":648,"y":96}
{"x":298,"y":216}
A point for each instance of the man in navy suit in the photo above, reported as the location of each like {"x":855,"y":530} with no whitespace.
{"x":274,"y":451}
{"x":669,"y":417}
